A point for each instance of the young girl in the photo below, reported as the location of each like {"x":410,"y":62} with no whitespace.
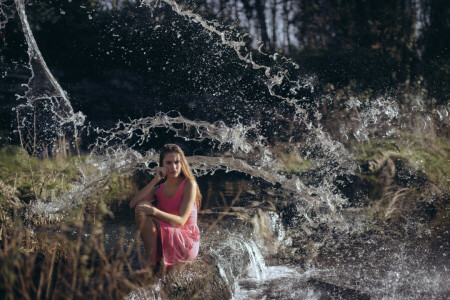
{"x":169,"y":231}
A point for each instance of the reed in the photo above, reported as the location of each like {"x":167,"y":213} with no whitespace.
{"x":59,"y":267}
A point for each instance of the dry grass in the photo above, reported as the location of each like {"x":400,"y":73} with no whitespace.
{"x":61,"y":268}
{"x":34,"y":265}
{"x":406,"y":175}
{"x":430,"y":155}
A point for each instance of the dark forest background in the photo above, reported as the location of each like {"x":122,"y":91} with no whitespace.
{"x":99,"y":50}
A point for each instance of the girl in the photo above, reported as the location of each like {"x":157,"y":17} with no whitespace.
{"x":169,"y":231}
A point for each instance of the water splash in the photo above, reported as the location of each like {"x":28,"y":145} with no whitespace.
{"x":141,"y":130}
{"x":257,"y":267}
{"x":236,"y":146}
{"x":7,"y":12}
{"x":44,"y":91}
{"x":246,"y":144}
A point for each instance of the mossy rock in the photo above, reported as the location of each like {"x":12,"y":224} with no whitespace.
{"x":199,"y":279}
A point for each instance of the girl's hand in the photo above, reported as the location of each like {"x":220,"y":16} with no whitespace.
{"x":145,"y":210}
{"x":161,"y":172}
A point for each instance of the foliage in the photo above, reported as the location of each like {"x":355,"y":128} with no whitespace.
{"x":407,"y":177}
{"x":291,"y":160}
{"x":429,"y":155}
{"x":24,"y":178}
{"x":57,"y":266}
{"x":34,"y":177}
{"x":75,"y":262}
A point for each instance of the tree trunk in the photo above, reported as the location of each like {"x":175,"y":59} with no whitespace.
{"x":274,"y":23}
{"x":261,"y":19}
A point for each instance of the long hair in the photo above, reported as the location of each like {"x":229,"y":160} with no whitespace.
{"x":185,"y":169}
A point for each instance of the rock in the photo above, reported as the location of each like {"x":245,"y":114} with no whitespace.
{"x":199,"y":279}
{"x":354,"y":188}
{"x":408,"y":176}
{"x":335,"y":291}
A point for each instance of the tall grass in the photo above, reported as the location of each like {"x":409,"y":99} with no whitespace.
{"x":58,"y":267}
{"x":427,"y":154}
{"x":407,"y":176}
{"x":34,"y":177}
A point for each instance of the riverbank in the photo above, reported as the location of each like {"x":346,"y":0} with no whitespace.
{"x":401,"y":184}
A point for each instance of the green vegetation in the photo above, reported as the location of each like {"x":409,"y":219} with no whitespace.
{"x":402,"y":177}
{"x":291,"y":161}
{"x":24,"y":178}
{"x":429,"y":155}
{"x":406,"y":177}
{"x":35,"y":178}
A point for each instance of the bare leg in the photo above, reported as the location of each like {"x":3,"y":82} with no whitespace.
{"x":149,"y":231}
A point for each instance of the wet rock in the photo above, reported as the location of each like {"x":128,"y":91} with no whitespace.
{"x":355,"y":188}
{"x":291,"y":214}
{"x":199,"y":279}
{"x":406,"y":175}
{"x":331,"y":291}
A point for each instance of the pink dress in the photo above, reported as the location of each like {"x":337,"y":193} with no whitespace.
{"x":181,"y":243}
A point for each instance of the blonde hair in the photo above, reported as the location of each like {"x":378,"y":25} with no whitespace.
{"x":185,"y":169}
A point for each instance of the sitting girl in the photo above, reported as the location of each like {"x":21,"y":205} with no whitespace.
{"x":169,"y":231}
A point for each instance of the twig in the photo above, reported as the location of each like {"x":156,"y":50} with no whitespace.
{"x":228,"y":208}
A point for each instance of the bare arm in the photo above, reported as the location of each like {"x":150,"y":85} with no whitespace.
{"x":189,"y":193}
{"x":147,"y":191}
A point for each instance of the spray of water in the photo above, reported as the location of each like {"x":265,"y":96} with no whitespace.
{"x":235,"y":146}
{"x":7,"y":11}
{"x":44,"y":93}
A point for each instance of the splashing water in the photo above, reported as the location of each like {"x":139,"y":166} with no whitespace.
{"x":239,"y":144}
{"x":44,"y":94}
{"x":7,"y":11}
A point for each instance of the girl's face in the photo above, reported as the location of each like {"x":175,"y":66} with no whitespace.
{"x":172,"y":162}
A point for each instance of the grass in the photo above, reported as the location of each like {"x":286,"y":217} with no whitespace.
{"x":24,"y":178}
{"x":35,"y":264}
{"x":291,"y":161}
{"x":430,"y":155}
{"x":36,"y":178}
{"x":60,"y":267}
{"x":419,"y":182}
{"x":49,"y":262}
